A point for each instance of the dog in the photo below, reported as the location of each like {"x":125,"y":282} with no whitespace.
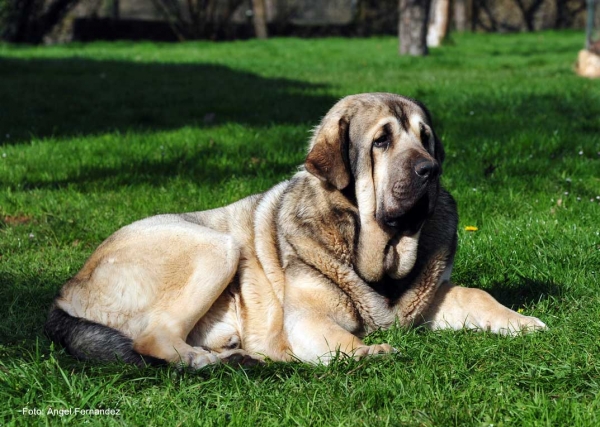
{"x":362,"y":237}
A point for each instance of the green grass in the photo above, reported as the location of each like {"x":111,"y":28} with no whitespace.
{"x":95,"y":136}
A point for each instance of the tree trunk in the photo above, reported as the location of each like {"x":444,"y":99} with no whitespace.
{"x":461,"y":15}
{"x":567,"y":11}
{"x":475,"y":7}
{"x":438,"y":22}
{"x":31,"y":24}
{"x":412,"y":27}
{"x":589,"y":28}
{"x":528,"y":11}
{"x":259,"y":18}
{"x":482,"y":10}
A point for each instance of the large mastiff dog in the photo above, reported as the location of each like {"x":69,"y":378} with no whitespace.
{"x":362,"y":237}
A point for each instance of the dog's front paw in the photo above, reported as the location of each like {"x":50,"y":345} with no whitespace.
{"x":517,"y":324}
{"x":373,"y":350}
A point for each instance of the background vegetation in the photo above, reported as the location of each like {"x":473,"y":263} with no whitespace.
{"x":96,"y":136}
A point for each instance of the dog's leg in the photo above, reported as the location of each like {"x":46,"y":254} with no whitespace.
{"x":219,"y":330}
{"x":456,"y":307}
{"x":167,"y":344}
{"x":214,"y":257}
{"x":318,"y":320}
{"x":316,"y":338}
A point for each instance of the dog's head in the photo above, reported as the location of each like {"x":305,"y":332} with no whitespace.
{"x":383,"y":145}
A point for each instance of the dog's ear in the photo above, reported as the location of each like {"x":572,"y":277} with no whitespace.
{"x":438,"y":149}
{"x":328,"y":156}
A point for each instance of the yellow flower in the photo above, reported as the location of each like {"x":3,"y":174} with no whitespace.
{"x":520,"y":310}
{"x":471,"y":228}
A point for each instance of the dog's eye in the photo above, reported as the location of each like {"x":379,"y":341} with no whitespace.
{"x":382,"y":142}
{"x":425,"y":134}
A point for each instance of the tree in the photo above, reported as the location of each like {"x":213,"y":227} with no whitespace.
{"x":528,"y":11}
{"x":412,"y":27}
{"x":28,"y":21}
{"x":259,"y":18}
{"x":566,"y":12}
{"x":438,"y":22}
{"x":195,"y":19}
{"x":484,"y":16}
{"x":461,"y":8}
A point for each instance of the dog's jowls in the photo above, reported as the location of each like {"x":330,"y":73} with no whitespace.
{"x":361,"y":238}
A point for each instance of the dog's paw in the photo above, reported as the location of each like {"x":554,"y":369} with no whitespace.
{"x":518,"y":324}
{"x":239,"y":357}
{"x":199,"y":358}
{"x":373,"y":350}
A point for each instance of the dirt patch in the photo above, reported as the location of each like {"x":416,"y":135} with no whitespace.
{"x":16,"y":219}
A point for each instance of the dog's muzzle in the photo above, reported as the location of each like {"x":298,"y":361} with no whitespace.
{"x":412,"y":203}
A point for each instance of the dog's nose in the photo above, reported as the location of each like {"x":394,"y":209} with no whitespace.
{"x":425,"y":168}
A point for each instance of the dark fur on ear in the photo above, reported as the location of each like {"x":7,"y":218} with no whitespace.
{"x":328,"y":157}
{"x":438,"y":150}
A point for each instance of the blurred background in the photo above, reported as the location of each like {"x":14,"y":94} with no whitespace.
{"x":59,"y":21}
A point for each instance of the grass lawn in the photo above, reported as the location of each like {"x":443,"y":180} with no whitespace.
{"x":95,"y":136}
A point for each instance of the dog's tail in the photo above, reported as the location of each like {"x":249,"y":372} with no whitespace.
{"x":87,"y":340}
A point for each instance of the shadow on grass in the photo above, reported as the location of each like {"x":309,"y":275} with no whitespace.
{"x":202,"y":165}
{"x":66,"y":97}
{"x":520,"y":124}
{"x":24,"y":302}
{"x":525,"y":292}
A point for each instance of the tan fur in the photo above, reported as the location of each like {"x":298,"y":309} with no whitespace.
{"x":304,"y":270}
